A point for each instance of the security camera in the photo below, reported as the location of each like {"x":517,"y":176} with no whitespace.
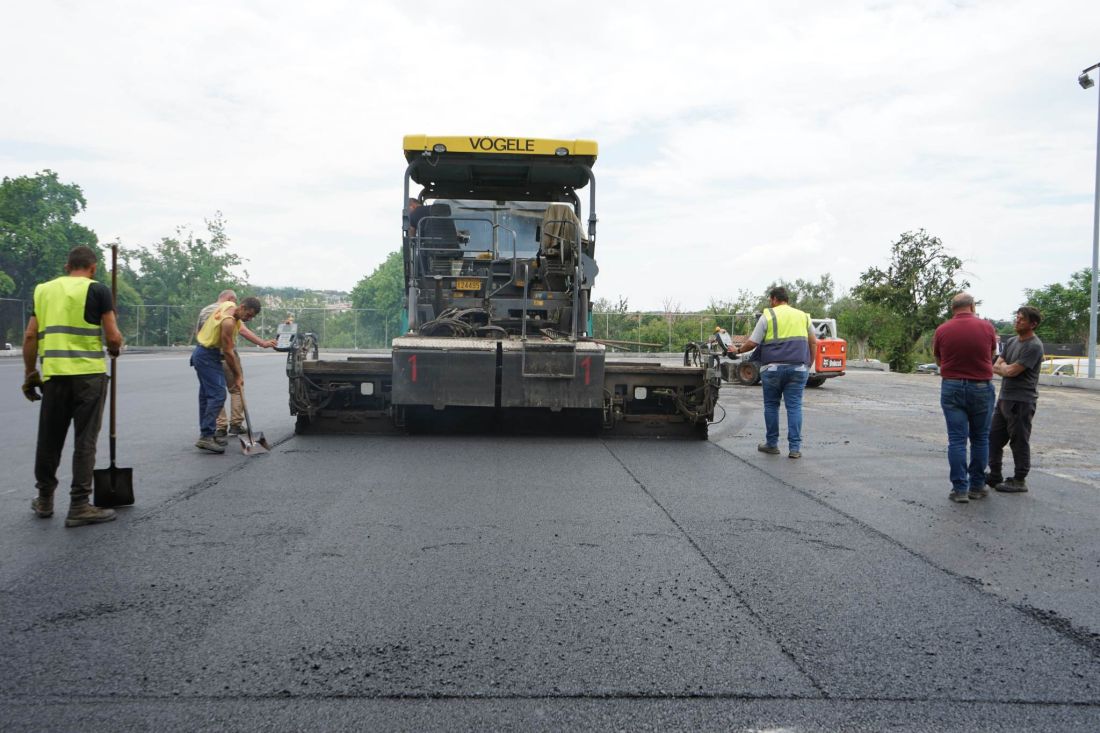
{"x":1085,"y":81}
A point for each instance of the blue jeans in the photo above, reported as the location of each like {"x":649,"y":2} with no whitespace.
{"x":786,"y":381}
{"x":208,"y":367}
{"x":968,"y":409}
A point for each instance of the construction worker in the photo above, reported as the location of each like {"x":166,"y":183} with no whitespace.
{"x":73,"y":315}
{"x":964,"y":348}
{"x":787,"y":341}
{"x":1015,"y":408}
{"x":223,"y":425}
{"x":217,"y":345}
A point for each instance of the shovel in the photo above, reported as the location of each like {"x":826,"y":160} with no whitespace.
{"x":256,"y":442}
{"x":113,"y":486}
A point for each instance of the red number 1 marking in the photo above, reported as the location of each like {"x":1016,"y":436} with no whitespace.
{"x":412,"y":363}
{"x":586,"y":362}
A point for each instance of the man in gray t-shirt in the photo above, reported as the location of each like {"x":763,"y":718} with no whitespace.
{"x":1019,"y":371}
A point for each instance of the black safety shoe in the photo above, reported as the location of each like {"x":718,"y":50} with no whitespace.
{"x":1013,"y":486}
{"x":42,"y":506}
{"x":769,"y":449}
{"x":992,"y":481}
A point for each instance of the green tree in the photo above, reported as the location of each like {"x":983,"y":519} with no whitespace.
{"x":37,"y":231}
{"x":184,"y":270}
{"x":383,"y":293}
{"x":813,"y":297}
{"x":744,"y":307}
{"x":917,"y":287}
{"x":610,"y":319}
{"x":1065,"y":308}
{"x":870,"y":329}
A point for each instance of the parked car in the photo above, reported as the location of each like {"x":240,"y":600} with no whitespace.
{"x":1064,"y":367}
{"x":928,"y":368}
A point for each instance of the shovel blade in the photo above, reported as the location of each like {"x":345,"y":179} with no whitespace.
{"x":113,"y":486}
{"x":253,"y":447}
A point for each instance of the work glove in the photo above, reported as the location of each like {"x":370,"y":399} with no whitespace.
{"x":32,"y":386}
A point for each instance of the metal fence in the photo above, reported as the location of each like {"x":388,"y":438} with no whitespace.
{"x":174,"y":325}
{"x":367,"y":328}
{"x":659,"y":331}
{"x":13,"y":320}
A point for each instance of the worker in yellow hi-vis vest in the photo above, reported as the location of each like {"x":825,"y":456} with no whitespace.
{"x":73,"y":316}
{"x":787,"y":343}
{"x":217,"y":343}
{"x":224,"y":425}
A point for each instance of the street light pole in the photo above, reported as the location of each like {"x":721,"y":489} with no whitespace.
{"x":1085,"y":81}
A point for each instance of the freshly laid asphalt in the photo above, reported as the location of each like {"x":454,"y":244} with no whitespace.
{"x":547,"y":583}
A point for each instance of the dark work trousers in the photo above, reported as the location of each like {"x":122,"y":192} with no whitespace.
{"x":208,"y":368}
{"x":1011,"y":425}
{"x":77,"y":400}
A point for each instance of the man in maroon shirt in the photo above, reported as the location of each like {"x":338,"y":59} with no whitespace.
{"x":964,"y":348}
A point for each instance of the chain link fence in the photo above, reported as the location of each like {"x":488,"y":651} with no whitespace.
{"x":366,"y":328}
{"x":174,"y":325}
{"x":655,"y":331}
{"x":13,"y":321}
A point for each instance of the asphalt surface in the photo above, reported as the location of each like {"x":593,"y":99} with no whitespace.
{"x":548,"y":583}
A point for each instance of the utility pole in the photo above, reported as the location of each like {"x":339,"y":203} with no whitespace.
{"x":1086,"y":81}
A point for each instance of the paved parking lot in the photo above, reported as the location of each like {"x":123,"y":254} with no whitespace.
{"x":472,"y":582}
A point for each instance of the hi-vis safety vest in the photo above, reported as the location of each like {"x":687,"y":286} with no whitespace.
{"x":786,"y":339}
{"x":67,"y":344}
{"x":210,"y":335}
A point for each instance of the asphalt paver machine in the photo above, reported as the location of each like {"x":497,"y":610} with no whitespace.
{"x":499,"y":267}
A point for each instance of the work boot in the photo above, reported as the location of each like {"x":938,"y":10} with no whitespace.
{"x":795,"y":454}
{"x":237,"y":429}
{"x":221,"y":439}
{"x":81,"y":514}
{"x":208,"y":443}
{"x":1013,"y":486}
{"x":772,"y":450}
{"x":960,"y":497}
{"x":220,"y":433}
{"x":992,"y":481}
{"x":42,"y":506}
{"x":978,"y":493}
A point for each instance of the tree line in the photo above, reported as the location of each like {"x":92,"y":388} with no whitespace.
{"x":890,"y":314}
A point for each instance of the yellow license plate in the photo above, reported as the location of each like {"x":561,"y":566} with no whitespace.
{"x":462,"y":284}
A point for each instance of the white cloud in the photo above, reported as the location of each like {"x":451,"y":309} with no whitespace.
{"x":739,"y":143}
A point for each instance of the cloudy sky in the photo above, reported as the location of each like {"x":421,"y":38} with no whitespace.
{"x":739,"y":142}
